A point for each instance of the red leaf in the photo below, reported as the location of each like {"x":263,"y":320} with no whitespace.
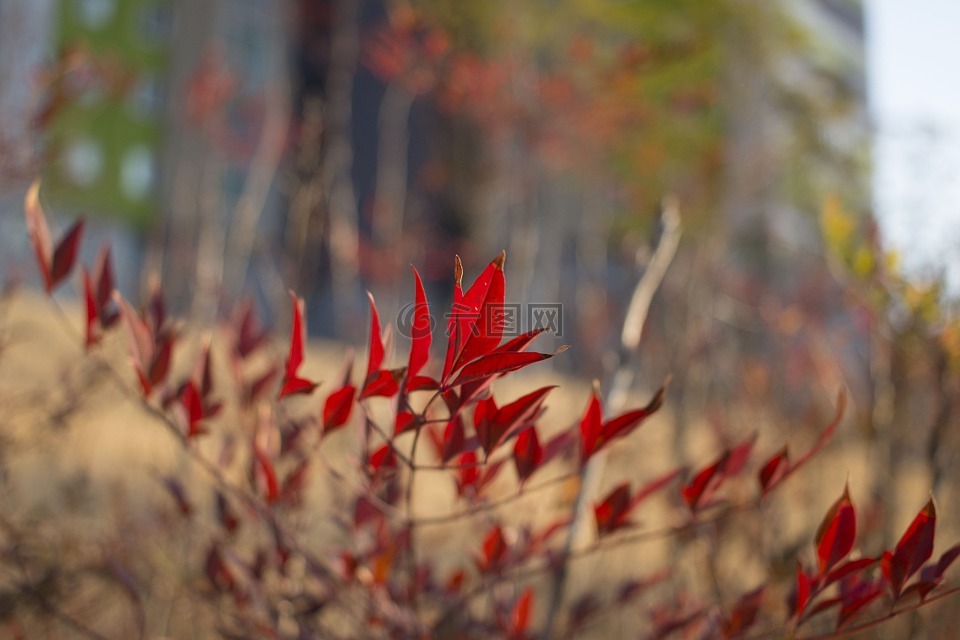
{"x":744,"y":613}
{"x":622,"y":425}
{"x":482,"y":319}
{"x":855,"y":599}
{"x":697,"y":492}
{"x":498,"y":363}
{"x":65,"y":255}
{"x":611,"y":513}
{"x":914,"y":548}
{"x":293,"y":383}
{"x":337,"y":408}
{"x":404,"y":422}
{"x":92,"y":331}
{"x":804,"y":589}
{"x":494,"y":551}
{"x":520,"y":616}
{"x":421,"y":333}
{"x":520,"y":343}
{"x":495,"y":426}
{"x":849,"y":568}
{"x":527,"y":453}
{"x":591,"y":426}
{"x":836,"y":534}
{"x":190,"y":398}
{"x":774,"y":470}
{"x":103,"y":275}
{"x":376,"y":351}
{"x":383,"y":458}
{"x":468,"y":337}
{"x":385,"y":382}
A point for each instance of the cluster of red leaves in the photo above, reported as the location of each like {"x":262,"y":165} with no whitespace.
{"x":474,"y":437}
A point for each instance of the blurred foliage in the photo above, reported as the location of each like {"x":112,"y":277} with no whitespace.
{"x":636,"y":97}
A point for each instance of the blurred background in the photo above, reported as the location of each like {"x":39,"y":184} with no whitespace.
{"x":248,"y":147}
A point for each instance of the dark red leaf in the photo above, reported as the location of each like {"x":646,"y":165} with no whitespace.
{"x":103,"y":276}
{"x":527,"y":453}
{"x":259,"y":385}
{"x":849,"y":568}
{"x":454,"y":335}
{"x":612,"y":511}
{"x":65,"y":255}
{"x":698,"y":492}
{"x":292,"y":382}
{"x":337,"y":408}
{"x":914,"y":548}
{"x":836,"y":534}
{"x":454,"y":439}
{"x":622,"y":425}
{"x":498,"y":363}
{"x":421,"y":334}
{"x":774,"y":470}
{"x":495,"y":426}
{"x":855,"y":599}
{"x":93,"y":315}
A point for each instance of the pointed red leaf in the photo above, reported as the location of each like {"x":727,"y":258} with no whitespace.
{"x":849,"y":568}
{"x":65,"y":255}
{"x":337,"y":408}
{"x":698,"y":492}
{"x":481,"y":314}
{"x":103,"y":276}
{"x":376,"y":350}
{"x":382,"y":458}
{"x":856,"y":598}
{"x":249,"y":335}
{"x":774,"y":470}
{"x":611,"y":513}
{"x":190,"y":398}
{"x":421,"y":333}
{"x":92,"y":332}
{"x":520,"y":343}
{"x":292,"y":382}
{"x":497,"y":364}
{"x":836,"y":534}
{"x":527,"y":453}
{"x":622,"y":425}
{"x":454,"y":335}
{"x":495,"y":426}
{"x":914,"y":548}
{"x":591,"y":426}
{"x":804,"y":589}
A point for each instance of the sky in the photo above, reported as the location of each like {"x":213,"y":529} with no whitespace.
{"x":913,"y":66}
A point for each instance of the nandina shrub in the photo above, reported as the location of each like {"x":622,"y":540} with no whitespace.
{"x":433,"y":521}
